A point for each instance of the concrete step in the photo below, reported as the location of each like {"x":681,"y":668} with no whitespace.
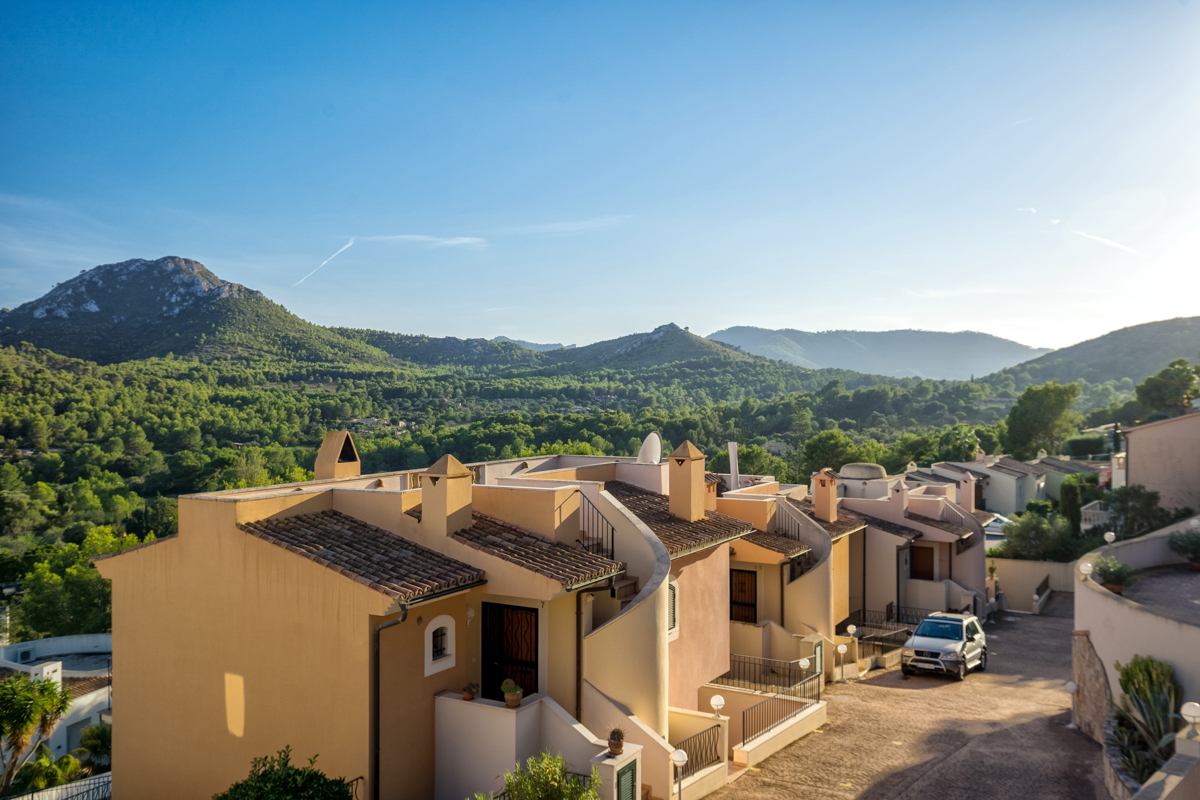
{"x":627,"y":587}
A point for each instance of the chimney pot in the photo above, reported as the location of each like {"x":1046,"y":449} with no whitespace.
{"x":685,"y":483}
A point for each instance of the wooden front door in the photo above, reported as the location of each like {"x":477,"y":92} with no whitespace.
{"x":922,"y":563}
{"x":743,"y":595}
{"x":510,"y":649}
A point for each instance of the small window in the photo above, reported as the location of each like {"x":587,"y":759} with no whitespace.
{"x":439,"y":643}
{"x":672,"y":610}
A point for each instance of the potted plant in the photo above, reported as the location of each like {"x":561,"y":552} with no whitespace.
{"x":512,"y":693}
{"x":1114,"y":574}
{"x":992,"y":570}
{"x":470,"y":690}
{"x":616,"y":741}
{"x":1187,"y":544}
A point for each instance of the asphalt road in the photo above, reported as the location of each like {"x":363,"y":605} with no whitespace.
{"x":999,"y":734}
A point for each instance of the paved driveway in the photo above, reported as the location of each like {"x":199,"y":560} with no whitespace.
{"x":999,"y":734}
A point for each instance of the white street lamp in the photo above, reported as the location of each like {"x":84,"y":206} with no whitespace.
{"x":851,"y":629}
{"x":1195,"y":524}
{"x":1110,"y":537}
{"x":679,"y":759}
{"x":1190,"y":713}
{"x":1085,"y":569}
{"x":841,"y":648}
{"x":1072,"y":688}
{"x":717,"y":702}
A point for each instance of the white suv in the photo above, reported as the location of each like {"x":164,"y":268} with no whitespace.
{"x":947,"y":643}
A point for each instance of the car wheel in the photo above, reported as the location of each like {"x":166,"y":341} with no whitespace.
{"x":982,"y":661}
{"x":962,"y":670}
{"x":906,"y":672}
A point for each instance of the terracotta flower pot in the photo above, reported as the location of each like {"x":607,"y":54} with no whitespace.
{"x":615,"y":747}
{"x":468,"y":696}
{"x":513,"y":699}
{"x":1115,"y":588}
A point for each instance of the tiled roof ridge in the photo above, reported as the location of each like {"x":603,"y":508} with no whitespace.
{"x":679,"y":536}
{"x":949,"y":527}
{"x":542,"y":555}
{"x":425,"y":585}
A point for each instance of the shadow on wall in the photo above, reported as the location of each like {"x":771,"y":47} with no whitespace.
{"x":1034,"y":758}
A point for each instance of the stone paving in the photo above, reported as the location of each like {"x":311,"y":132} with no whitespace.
{"x":999,"y":734}
{"x":1173,"y":591}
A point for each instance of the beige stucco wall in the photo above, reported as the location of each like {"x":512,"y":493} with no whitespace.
{"x":855,"y":566}
{"x":880,"y":552}
{"x":1119,"y":627}
{"x":758,"y":512}
{"x":552,"y":512}
{"x":1019,"y":579}
{"x":840,"y":561}
{"x":701,"y":652}
{"x":603,"y":713}
{"x":225,"y":644}
{"x":1165,"y":457}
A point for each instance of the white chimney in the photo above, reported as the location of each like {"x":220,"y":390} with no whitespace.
{"x":734,"y":478}
{"x":49,"y":671}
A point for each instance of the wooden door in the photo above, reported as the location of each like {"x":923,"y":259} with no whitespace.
{"x":743,"y":595}
{"x":922,"y":563}
{"x":510,"y":649}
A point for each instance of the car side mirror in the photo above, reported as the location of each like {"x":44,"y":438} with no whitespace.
{"x":971,"y":638}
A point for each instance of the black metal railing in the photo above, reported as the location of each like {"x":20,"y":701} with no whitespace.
{"x":596,"y":534}
{"x":872,"y":622}
{"x":97,"y":787}
{"x":703,"y":750}
{"x":881,"y":644}
{"x":759,"y":674}
{"x":779,"y":708}
{"x":912,"y":616}
{"x":786,"y":524}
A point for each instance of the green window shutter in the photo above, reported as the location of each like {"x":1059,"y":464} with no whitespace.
{"x":671,"y":606}
{"x":627,"y":782}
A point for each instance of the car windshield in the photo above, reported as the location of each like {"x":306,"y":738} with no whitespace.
{"x":941,"y":629}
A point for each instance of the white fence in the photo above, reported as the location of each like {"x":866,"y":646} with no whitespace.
{"x":98,"y":787}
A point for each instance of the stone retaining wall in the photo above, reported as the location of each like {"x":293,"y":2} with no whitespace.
{"x":1093,"y":700}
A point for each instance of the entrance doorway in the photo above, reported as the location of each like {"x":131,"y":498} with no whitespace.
{"x":922,"y":563}
{"x":743,"y":595}
{"x":510,"y":649}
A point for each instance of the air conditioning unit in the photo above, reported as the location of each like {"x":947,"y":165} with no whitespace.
{"x":24,"y":656}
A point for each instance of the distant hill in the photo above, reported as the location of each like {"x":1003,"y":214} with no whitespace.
{"x":902,"y":354}
{"x":142,"y":309}
{"x":541,"y":348}
{"x":431,"y":351}
{"x":663,"y":345}
{"x":1135,"y":353}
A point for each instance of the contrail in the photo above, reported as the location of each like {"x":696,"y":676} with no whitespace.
{"x":323,"y":263}
{"x":1108,"y":242}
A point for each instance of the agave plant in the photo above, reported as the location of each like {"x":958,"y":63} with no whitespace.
{"x":1151,"y":697}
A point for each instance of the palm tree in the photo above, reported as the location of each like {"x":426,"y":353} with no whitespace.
{"x":30,"y":710}
{"x":95,"y":748}
{"x":43,"y":771}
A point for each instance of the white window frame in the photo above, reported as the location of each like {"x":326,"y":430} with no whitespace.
{"x":432,"y":666}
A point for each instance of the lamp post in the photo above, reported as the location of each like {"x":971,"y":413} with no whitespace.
{"x":851,"y":629}
{"x":841,"y":648}
{"x":717,"y":702}
{"x":679,"y":759}
{"x":1110,"y":537}
{"x":1072,"y":689}
{"x":1086,"y":570}
{"x":804,"y":662}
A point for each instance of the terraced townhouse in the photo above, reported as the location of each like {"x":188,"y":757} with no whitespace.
{"x":344,"y":617}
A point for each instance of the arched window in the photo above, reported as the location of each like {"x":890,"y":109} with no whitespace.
{"x":440,"y":644}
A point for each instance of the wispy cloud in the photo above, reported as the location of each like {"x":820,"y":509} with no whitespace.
{"x":415,"y":238}
{"x":429,"y":241}
{"x":1030,"y":210}
{"x":1055,"y":221}
{"x":573,"y":226}
{"x":1022,"y":121}
{"x":347,"y":246}
{"x":1108,"y":242}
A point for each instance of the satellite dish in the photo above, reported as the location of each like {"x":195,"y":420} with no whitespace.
{"x":651,"y":452}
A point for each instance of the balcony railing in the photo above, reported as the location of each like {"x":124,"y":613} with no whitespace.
{"x":703,"y":750}
{"x":596,"y":534}
{"x":763,"y":717}
{"x":766,"y":674}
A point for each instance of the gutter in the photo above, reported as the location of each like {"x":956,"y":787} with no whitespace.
{"x":611,"y":580}
{"x":375,"y":667}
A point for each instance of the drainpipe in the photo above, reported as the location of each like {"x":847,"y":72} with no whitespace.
{"x":782,"y":588}
{"x":375,"y":664}
{"x":612,"y":587}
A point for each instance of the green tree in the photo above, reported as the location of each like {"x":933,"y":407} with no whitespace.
{"x":43,"y":771}
{"x":1032,"y":537}
{"x":276,"y":778}
{"x":546,"y":777}
{"x":1042,"y":418}
{"x":1134,"y":510}
{"x":832,"y":448}
{"x":1172,"y":389}
{"x":95,"y":748}
{"x":752,"y":460}
{"x":30,"y":710}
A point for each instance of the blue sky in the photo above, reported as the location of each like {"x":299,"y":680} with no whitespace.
{"x":574,"y":172}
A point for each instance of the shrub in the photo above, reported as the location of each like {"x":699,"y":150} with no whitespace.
{"x":1032,"y":537}
{"x":1186,"y":543}
{"x":1144,"y":730}
{"x":510,"y":687}
{"x":1079,"y":446}
{"x":1108,"y":569}
{"x":545,"y":777}
{"x":276,"y":778}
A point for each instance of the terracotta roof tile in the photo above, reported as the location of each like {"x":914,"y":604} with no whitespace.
{"x":373,"y":557}
{"x":679,"y":536}
{"x":847,"y":521}
{"x":894,"y":528}
{"x":568,"y":565}
{"x":777,"y":544}
{"x":78,"y":687}
{"x":949,"y":527}
{"x":978,"y":475}
{"x":1068,"y":467}
{"x":1020,"y":466}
